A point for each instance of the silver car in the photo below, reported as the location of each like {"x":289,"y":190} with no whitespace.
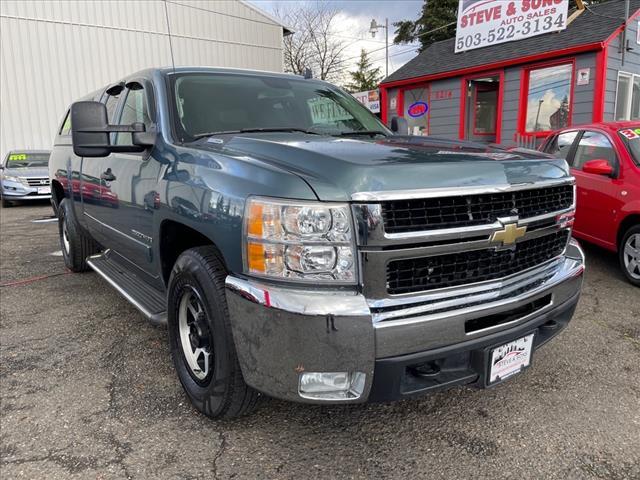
{"x":24,"y":176}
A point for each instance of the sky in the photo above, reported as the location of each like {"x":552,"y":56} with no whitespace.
{"x":353,"y":26}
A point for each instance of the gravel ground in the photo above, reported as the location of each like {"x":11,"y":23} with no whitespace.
{"x":88,"y":390}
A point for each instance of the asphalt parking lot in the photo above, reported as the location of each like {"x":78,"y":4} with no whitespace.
{"x":88,"y":391}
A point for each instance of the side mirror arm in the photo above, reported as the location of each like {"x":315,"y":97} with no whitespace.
{"x":133,"y":128}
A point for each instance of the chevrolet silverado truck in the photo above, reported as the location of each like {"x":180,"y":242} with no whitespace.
{"x":296,"y":247}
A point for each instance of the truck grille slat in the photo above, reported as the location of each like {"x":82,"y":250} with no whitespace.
{"x":453,"y":269}
{"x":468,"y":210}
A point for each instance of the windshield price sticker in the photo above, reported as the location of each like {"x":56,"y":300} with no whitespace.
{"x":631,"y":133}
{"x":489,"y":22}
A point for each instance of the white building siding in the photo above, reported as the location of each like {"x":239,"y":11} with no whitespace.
{"x":53,"y":52}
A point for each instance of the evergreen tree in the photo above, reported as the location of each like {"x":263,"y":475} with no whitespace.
{"x":435,"y":14}
{"x":365,"y":77}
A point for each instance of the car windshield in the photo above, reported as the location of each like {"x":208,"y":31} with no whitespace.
{"x":631,"y":138}
{"x":22,"y":160}
{"x":230,"y":103}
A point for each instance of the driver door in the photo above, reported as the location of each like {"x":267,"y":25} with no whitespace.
{"x":596,"y":203}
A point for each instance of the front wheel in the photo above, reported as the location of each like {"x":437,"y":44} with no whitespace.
{"x":629,"y":252}
{"x":200,"y":336}
{"x":76,"y":245}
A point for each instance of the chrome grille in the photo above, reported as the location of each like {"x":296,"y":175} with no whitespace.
{"x":465,"y":267}
{"x":401,"y":216}
{"x":38,"y":182}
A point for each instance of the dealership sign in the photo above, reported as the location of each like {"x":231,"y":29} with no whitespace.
{"x":370,"y":99}
{"x":488,"y":22}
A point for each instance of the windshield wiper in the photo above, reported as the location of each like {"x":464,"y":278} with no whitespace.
{"x":362,"y":132}
{"x":255,"y":130}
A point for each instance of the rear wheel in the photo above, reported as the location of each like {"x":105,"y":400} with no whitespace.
{"x":629,"y":253}
{"x":76,"y":245}
{"x":200,"y":336}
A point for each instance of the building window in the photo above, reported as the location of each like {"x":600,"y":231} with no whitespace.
{"x":628,"y":97}
{"x":549,"y":98}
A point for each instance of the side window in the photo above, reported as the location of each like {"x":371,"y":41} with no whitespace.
{"x":134,"y":110}
{"x":594,"y":146}
{"x":111,"y":104}
{"x":561,"y":145}
{"x":66,"y":125}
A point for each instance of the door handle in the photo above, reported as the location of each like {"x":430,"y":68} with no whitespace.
{"x":108,"y":176}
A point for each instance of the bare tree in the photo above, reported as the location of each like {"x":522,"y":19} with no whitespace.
{"x":313,"y":45}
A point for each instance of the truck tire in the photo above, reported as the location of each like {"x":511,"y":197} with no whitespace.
{"x":200,"y":336}
{"x":76,"y":245}
{"x":630,"y":263}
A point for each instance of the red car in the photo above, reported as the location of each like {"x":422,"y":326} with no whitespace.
{"x":605,"y":159}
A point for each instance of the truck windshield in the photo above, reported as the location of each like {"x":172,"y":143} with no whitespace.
{"x":208,"y":104}
{"x":631,"y":138}
{"x":22,"y":160}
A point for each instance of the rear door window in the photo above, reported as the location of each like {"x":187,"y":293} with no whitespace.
{"x":135,"y":110}
{"x":560,"y":146}
{"x":111,"y":103}
{"x":65,"y":129}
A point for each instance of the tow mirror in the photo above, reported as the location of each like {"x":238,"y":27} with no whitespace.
{"x":598,"y":167}
{"x":400,"y":126}
{"x":90,"y":131}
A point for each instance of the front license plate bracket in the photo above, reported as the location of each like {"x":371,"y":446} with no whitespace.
{"x":507,"y":360}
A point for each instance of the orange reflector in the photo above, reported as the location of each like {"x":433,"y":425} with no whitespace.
{"x":254,"y":226}
{"x":256,"y":257}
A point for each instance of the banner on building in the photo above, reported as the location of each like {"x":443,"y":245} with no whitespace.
{"x":482,"y":23}
{"x":370,"y":99}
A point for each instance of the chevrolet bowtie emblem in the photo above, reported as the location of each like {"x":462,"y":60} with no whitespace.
{"x":509,"y":234}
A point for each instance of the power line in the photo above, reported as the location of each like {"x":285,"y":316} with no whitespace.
{"x":394,"y":45}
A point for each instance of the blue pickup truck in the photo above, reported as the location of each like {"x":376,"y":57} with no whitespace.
{"x":298,"y":248}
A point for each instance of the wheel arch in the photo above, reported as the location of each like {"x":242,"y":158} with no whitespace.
{"x":626,"y":223}
{"x":57,"y":194}
{"x":177,"y":237}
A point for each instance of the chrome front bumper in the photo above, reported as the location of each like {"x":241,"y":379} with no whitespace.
{"x":281,"y":332}
{"x":18,"y":192}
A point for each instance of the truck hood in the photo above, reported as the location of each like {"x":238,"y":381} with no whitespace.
{"x":337,"y":168}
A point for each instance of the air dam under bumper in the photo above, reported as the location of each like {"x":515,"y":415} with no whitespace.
{"x":281,"y":332}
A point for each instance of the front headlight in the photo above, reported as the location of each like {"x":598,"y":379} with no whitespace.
{"x":296,"y":240}
{"x":12,"y":178}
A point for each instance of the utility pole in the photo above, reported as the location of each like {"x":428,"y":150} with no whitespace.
{"x":373,"y":29}
{"x":624,"y":42}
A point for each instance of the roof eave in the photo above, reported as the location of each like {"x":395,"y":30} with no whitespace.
{"x":496,"y":65}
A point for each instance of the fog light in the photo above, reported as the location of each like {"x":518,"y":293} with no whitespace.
{"x":331,"y":385}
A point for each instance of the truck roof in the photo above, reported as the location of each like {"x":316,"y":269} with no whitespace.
{"x":204,"y":69}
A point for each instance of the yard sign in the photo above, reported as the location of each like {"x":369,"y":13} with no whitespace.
{"x":488,"y":22}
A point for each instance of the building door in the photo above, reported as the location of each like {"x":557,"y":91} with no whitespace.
{"x":482,"y":109}
{"x":416,"y":109}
